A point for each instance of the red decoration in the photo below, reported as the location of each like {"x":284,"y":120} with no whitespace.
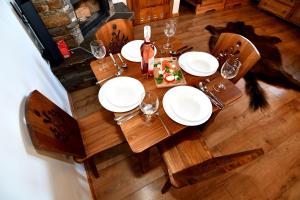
{"x":63,"y":47}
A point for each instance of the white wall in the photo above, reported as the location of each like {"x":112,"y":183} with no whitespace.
{"x":24,"y":174}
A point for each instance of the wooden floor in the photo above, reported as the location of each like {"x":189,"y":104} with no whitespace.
{"x":276,"y":175}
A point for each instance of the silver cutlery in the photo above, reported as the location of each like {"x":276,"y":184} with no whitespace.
{"x":132,"y":115}
{"x":118,"y":73}
{"x":216,"y":101}
{"x":114,"y":75}
{"x":185,"y":50}
{"x":163,"y":123}
{"x":127,"y":114}
{"x":213,"y":101}
{"x":178,"y":53}
{"x":212,"y":94}
{"x":177,"y":50}
{"x":115,"y":63}
{"x":124,"y":65}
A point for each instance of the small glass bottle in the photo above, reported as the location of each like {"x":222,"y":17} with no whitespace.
{"x":147,"y":53}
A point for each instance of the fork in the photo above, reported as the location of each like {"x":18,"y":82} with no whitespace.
{"x":114,"y":75}
{"x":178,"y":50}
{"x":115,"y":63}
{"x":211,"y":96}
{"x":127,"y":114}
{"x":128,"y":117}
{"x":124,"y":65}
{"x":163,"y":123}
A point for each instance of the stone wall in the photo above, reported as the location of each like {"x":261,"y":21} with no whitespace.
{"x":60,"y":19}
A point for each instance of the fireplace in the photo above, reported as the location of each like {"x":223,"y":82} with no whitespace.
{"x":71,"y":20}
{"x":54,"y":20}
{"x":90,"y":13}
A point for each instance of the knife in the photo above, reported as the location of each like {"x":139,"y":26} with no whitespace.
{"x":114,"y":62}
{"x":203,"y":87}
{"x":214,"y":101}
{"x":216,"y":98}
{"x":184,"y":50}
{"x":128,"y":117}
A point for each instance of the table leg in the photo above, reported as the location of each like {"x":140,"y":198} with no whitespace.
{"x":144,"y":161}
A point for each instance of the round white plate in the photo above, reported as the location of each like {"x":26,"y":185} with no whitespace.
{"x":121,"y":94}
{"x":198,"y":63}
{"x":132,"y":51}
{"x":188,"y":104}
{"x":172,"y":100}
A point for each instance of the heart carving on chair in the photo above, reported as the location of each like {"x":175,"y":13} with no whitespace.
{"x":268,"y":69}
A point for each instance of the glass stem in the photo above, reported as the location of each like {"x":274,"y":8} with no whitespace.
{"x":102,"y":66}
{"x":168,"y":40}
{"x":148,"y":118}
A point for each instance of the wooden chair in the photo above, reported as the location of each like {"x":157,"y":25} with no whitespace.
{"x":52,"y":130}
{"x":188,"y":160}
{"x":115,"y":34}
{"x":248,"y":54}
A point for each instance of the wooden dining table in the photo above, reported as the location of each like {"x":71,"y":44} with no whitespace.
{"x":138,"y":134}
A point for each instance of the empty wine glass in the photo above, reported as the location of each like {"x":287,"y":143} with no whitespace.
{"x":99,"y":52}
{"x":229,"y":70}
{"x":169,"y":31}
{"x":149,"y":105}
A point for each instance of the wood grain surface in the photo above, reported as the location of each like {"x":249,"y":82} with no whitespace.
{"x":140,"y":136}
{"x":236,"y":128}
{"x":51,"y":129}
{"x":248,"y":55}
{"x":115,"y":34}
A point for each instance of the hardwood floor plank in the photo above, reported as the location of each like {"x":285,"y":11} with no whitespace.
{"x":277,"y":129}
{"x":125,"y":177}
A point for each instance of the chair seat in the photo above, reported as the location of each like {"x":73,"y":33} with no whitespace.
{"x":184,"y":151}
{"x":99,"y":132}
{"x":188,"y":160}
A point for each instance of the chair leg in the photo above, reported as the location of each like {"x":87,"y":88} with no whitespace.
{"x":166,"y":186}
{"x":93,"y":167}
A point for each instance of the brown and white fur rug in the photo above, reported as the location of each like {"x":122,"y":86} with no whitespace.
{"x":268,"y":69}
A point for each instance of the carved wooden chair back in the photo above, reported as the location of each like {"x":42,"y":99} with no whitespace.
{"x":51,"y":129}
{"x":188,"y":160}
{"x":231,"y":43}
{"x":115,"y":34}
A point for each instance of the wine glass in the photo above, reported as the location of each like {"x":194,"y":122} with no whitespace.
{"x":149,"y":105}
{"x":229,"y":70}
{"x":99,"y":52}
{"x":170,"y":29}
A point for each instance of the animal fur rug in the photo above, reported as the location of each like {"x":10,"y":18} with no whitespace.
{"x":268,"y":69}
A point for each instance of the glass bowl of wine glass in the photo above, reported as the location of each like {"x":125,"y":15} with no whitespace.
{"x":99,"y":51}
{"x":229,"y":70}
{"x":149,"y":106}
{"x":169,"y":30}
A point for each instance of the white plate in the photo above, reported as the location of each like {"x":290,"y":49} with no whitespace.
{"x":121,"y":94}
{"x":198,"y":63}
{"x":124,"y":91}
{"x":188,"y":104}
{"x":184,"y":117}
{"x":132,"y":51}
